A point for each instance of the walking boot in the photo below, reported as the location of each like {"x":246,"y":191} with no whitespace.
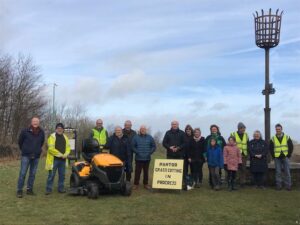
{"x":233,"y":187}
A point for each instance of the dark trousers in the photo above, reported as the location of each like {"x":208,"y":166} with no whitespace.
{"x":128,"y":176}
{"x":243,"y":170}
{"x":186,"y":166}
{"x":231,"y":175}
{"x":214,"y":176}
{"x":258,"y":178}
{"x":197,"y":173}
{"x":139,"y":166}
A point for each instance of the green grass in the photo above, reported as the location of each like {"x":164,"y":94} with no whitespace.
{"x":198,"y":206}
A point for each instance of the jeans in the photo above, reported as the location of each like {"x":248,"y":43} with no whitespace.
{"x":59,"y":165}
{"x":26,"y":162}
{"x":283,"y":164}
{"x":139,"y":166}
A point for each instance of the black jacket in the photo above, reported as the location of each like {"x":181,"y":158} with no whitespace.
{"x":130,"y":134}
{"x":290,"y":146}
{"x":187,"y":140}
{"x":196,"y":150}
{"x":258,"y":147}
{"x":174,"y":138}
{"x":119,"y":147}
{"x":30,"y":144}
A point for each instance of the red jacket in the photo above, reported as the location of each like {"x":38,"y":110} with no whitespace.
{"x":232,"y":157}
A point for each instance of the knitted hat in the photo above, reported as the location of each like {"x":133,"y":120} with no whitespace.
{"x":60,"y":125}
{"x":241,"y":125}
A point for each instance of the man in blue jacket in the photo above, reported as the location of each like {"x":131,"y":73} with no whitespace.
{"x":143,"y":146}
{"x":31,"y":141}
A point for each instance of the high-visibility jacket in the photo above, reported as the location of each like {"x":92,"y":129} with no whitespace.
{"x":280,"y":147}
{"x":100,"y":136}
{"x":241,"y":144}
{"x":52,"y":152}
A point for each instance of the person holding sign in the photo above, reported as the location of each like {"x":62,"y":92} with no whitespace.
{"x":215,"y":162}
{"x":143,"y":145}
{"x":195,"y":155}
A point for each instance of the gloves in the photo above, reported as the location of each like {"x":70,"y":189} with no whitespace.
{"x":225,"y":167}
{"x":240,"y":166}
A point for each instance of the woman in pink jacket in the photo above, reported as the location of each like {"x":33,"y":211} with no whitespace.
{"x":232,"y":161}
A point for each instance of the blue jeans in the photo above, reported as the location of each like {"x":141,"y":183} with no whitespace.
{"x":32,"y":164}
{"x":59,"y":165}
{"x":283,"y":164}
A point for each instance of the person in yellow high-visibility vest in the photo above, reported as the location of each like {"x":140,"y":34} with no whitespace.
{"x":242,"y":141}
{"x":281,"y":148}
{"x":99,"y":133}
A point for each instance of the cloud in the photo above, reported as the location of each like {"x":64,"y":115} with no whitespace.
{"x":219,"y":106}
{"x":7,"y":28}
{"x":291,"y":115}
{"x":136,"y":82}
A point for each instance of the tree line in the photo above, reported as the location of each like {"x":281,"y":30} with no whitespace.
{"x":23,"y":95}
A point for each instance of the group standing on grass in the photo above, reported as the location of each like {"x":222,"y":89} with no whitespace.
{"x":188,"y":145}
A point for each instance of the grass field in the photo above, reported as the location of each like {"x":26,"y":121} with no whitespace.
{"x":198,"y":206}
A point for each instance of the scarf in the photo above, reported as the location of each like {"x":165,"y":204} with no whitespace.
{"x":35,"y":130}
{"x":197,"y":139}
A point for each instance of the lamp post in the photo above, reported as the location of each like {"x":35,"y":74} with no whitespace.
{"x":53,"y":107}
{"x":267,"y":35}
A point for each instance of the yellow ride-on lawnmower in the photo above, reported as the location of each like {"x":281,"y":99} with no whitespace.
{"x":100,"y":173}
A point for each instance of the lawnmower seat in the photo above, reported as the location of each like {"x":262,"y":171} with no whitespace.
{"x":88,"y":156}
{"x":90,"y":147}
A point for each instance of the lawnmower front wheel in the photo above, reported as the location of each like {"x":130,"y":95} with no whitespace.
{"x":92,"y":191}
{"x":127,"y":189}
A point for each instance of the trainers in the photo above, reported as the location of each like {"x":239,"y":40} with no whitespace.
{"x":62,"y":191}
{"x":147,"y":187}
{"x":135,"y":187}
{"x":30,"y":192}
{"x":20,"y":194}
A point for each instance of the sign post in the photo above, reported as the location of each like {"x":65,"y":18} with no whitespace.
{"x":168,"y":174}
{"x":71,"y":133}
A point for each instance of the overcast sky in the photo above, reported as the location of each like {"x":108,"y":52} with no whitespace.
{"x":159,"y":60}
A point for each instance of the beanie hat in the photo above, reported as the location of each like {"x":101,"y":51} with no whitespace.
{"x":241,"y":125}
{"x":59,"y":125}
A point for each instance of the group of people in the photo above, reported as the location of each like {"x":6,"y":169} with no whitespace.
{"x":188,"y":145}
